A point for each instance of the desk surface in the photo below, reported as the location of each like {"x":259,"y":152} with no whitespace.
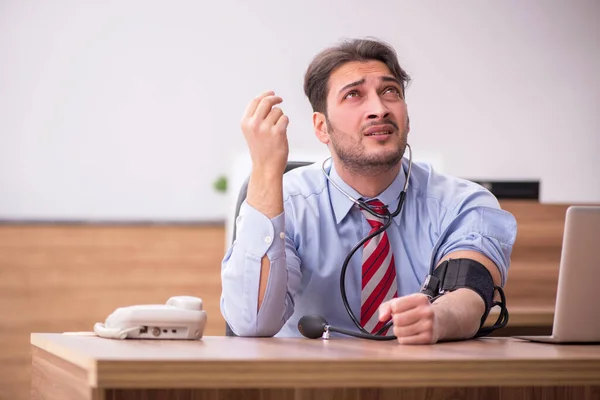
{"x":273,"y":362}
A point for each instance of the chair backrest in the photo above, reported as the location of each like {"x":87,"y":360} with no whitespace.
{"x":240,"y":200}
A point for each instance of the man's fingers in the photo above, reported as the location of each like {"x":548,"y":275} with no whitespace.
{"x":274,"y":116}
{"x":406,"y":303}
{"x":251,"y":108}
{"x":421,"y":338}
{"x":408,"y":317}
{"x":282,"y":123}
{"x":266,"y":138}
{"x":385,"y":310}
{"x":265,"y":106}
{"x":414,"y":329}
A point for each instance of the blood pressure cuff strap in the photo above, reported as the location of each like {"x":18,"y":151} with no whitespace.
{"x":461,"y":273}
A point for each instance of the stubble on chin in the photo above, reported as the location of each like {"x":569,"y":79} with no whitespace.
{"x":354,"y":156}
{"x":358,"y":161}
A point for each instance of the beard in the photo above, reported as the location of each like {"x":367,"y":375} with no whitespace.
{"x":354,"y":157}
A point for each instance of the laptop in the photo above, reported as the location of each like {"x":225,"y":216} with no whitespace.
{"x":576,"y":313}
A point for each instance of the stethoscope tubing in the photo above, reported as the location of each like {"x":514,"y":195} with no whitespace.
{"x":387,"y":217}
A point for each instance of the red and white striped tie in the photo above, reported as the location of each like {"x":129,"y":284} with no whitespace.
{"x":378,"y":272}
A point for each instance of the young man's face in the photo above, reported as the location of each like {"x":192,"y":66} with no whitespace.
{"x":366,"y":124}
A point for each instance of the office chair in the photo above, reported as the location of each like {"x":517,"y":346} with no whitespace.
{"x":241,"y":197}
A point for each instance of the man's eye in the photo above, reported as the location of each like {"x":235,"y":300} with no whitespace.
{"x":351,"y":94}
{"x":391,"y":89}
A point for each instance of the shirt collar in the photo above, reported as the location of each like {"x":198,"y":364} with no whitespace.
{"x":342,"y":204}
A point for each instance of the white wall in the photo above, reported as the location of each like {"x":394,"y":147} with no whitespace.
{"x":130,"y":109}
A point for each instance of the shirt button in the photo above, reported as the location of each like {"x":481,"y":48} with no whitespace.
{"x":238,"y":220}
{"x":282,"y":235}
{"x":268,"y":239}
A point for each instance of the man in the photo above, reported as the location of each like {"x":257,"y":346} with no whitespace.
{"x":294,"y":232}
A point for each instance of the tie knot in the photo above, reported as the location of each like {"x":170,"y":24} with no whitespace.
{"x":377,"y":205}
{"x":379,"y":208}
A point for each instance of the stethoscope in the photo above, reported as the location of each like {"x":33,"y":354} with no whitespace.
{"x":387,"y":218}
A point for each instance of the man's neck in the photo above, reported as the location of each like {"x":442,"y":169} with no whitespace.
{"x":368,"y":185}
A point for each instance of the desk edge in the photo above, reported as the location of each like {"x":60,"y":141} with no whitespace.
{"x":90,"y":365}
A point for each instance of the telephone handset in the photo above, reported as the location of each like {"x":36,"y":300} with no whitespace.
{"x":182,"y":317}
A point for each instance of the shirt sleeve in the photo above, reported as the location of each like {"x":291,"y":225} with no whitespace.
{"x":479,"y":224}
{"x":258,"y":235}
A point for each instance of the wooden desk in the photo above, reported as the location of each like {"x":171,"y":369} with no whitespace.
{"x":87,"y":367}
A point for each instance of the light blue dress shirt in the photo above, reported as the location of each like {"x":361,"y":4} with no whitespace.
{"x":309,"y":241}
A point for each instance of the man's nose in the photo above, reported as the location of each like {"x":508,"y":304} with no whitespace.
{"x":377,"y":108}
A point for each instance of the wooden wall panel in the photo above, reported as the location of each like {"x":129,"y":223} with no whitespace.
{"x":56,"y":278}
{"x":533,"y":274}
{"x":66,"y":278}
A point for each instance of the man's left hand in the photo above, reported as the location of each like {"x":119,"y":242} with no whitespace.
{"x":414,"y":319}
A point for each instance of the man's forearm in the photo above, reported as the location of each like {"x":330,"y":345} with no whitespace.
{"x":458,"y":314}
{"x":265,"y":192}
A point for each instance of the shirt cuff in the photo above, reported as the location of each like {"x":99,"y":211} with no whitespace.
{"x":258,"y":235}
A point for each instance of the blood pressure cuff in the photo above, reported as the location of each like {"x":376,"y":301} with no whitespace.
{"x":461,"y":273}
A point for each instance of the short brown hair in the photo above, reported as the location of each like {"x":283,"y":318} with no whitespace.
{"x":316,"y":79}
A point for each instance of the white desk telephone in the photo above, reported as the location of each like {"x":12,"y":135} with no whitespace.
{"x":182,"y":317}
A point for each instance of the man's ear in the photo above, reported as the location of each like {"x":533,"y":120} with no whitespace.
{"x":320,"y":127}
